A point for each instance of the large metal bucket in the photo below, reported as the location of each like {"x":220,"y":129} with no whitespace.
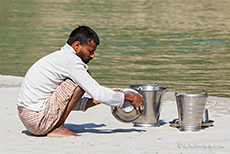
{"x":190,"y":110}
{"x":153,"y":99}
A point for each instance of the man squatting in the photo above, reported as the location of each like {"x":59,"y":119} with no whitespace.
{"x":56,"y":83}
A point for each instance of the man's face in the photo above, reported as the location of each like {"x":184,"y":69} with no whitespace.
{"x":86,"y":52}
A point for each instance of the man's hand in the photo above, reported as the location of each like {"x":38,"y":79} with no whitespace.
{"x":136,"y":100}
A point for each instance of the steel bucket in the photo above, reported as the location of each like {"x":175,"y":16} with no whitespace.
{"x":153,"y":98}
{"x":190,"y":110}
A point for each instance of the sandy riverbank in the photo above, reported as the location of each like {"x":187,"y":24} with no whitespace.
{"x":102,"y":133}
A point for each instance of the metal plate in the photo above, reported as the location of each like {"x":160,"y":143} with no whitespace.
{"x":176,"y":123}
{"x":127,"y":113}
{"x":207,"y":124}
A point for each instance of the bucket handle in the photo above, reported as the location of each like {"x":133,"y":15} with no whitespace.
{"x":139,"y":88}
{"x":176,"y":94}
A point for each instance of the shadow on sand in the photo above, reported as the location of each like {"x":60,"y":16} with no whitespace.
{"x":30,"y":134}
{"x":90,"y":128}
{"x":162,"y":122}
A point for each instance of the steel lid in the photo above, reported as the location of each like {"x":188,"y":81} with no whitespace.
{"x":127,"y":113}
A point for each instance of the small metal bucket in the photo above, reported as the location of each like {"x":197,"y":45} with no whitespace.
{"x":153,"y":99}
{"x":190,"y":110}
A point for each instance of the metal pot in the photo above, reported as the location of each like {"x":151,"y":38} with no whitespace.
{"x":153,"y":99}
{"x":127,"y":113}
{"x":190,"y":110}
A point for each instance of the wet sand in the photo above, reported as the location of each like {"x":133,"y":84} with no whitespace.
{"x":102,"y":133}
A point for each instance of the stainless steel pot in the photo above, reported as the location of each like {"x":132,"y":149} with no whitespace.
{"x":153,"y":99}
{"x":190,"y":110}
{"x":127,"y":113}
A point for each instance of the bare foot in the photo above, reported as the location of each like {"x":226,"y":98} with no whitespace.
{"x":61,"y":132}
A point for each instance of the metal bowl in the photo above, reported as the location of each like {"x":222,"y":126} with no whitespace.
{"x":127,"y":113}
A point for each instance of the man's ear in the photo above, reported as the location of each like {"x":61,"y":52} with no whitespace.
{"x":76,"y":45}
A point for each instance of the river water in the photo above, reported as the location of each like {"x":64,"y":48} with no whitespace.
{"x":180,"y":44}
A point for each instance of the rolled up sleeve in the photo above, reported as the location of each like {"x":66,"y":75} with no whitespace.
{"x":81,"y":104}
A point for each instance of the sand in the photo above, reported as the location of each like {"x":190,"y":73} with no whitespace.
{"x":102,"y":133}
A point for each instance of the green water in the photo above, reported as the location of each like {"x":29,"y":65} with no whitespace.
{"x":182,"y":45}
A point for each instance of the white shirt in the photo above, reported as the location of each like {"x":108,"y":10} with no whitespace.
{"x":47,"y":73}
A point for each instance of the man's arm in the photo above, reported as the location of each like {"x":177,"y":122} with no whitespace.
{"x":135,"y":99}
{"x":99,"y":93}
{"x":91,"y":102}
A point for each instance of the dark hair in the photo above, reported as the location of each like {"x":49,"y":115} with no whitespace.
{"x":84,"y":35}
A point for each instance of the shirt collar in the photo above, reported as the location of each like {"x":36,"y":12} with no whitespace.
{"x":67,"y":47}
